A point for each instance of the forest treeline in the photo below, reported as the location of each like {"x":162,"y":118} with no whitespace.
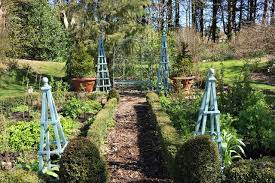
{"x":50,"y":29}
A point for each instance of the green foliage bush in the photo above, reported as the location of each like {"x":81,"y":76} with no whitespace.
{"x":18,"y":176}
{"x":103,"y":121}
{"x":82,"y":162}
{"x":113,"y":93}
{"x":80,"y":63}
{"x":244,"y":171}
{"x":74,"y":108}
{"x":198,"y":161}
{"x":36,"y":32}
{"x":170,"y":140}
{"x":256,"y":121}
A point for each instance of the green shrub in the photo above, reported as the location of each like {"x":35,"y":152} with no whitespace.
{"x":170,"y":140}
{"x":103,"y":120}
{"x":81,"y":162}
{"x":244,"y":171}
{"x":256,"y":121}
{"x":74,"y":108}
{"x":18,"y":176}
{"x":113,"y":93}
{"x":182,"y":112}
{"x":198,"y":161}
{"x":80,"y":63}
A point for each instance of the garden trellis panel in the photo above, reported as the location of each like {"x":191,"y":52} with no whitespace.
{"x":102,"y":77}
{"x":163,"y":70}
{"x":209,"y":107}
{"x":52,"y":137}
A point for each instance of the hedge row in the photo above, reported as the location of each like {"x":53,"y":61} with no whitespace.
{"x":83,"y":159}
{"x":18,"y":176}
{"x":170,"y":140}
{"x":103,"y":121}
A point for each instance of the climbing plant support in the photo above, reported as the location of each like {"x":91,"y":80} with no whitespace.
{"x":102,"y":77}
{"x":209,"y":107}
{"x":163,"y":70}
{"x":52,"y":138}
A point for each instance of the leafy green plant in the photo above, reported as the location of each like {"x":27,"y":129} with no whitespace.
{"x":182,"y":112}
{"x":232,"y":147}
{"x":74,"y":108}
{"x":256,"y":122}
{"x":22,"y":136}
{"x":20,"y":108}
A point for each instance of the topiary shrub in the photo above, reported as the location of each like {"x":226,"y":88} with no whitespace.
{"x":261,"y":170}
{"x":113,"y":93}
{"x":198,"y":161}
{"x":18,"y":176}
{"x":81,"y":162}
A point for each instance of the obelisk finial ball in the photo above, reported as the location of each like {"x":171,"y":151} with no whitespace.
{"x":211,"y":71}
{"x":45,"y":80}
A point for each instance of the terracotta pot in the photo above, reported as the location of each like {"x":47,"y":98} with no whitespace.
{"x":186,"y":82}
{"x":87,"y":83}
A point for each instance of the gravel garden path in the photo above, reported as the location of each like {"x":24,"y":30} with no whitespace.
{"x":134,"y":153}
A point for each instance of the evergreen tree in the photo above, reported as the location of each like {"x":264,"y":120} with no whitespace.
{"x":35,"y":31}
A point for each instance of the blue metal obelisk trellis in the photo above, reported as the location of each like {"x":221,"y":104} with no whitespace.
{"x":163,"y":70}
{"x":102,"y":77}
{"x":50,"y":144}
{"x":209,"y":107}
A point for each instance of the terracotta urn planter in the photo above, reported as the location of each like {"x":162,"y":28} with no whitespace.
{"x":87,"y":83}
{"x":183,"y":82}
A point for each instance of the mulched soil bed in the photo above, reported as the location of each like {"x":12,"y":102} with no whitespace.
{"x":134,"y":152}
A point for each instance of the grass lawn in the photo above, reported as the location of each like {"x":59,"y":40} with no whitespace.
{"x":55,"y":69}
{"x":232,"y":70}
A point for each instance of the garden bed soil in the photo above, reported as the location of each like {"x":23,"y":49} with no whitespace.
{"x":263,"y":78}
{"x":134,"y":152}
{"x":21,"y":116}
{"x":8,"y":160}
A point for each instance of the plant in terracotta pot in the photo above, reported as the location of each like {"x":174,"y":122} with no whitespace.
{"x":182,"y":69}
{"x":80,"y":68}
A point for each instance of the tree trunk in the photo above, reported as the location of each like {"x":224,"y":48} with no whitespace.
{"x":229,"y":19}
{"x":272,"y":15}
{"x":241,"y":15}
{"x":201,"y":19}
{"x":265,"y":12}
{"x":177,"y":14}
{"x":170,"y":14}
{"x":162,"y":14}
{"x":194,"y":4}
{"x":234,"y":4}
{"x":214,"y":20}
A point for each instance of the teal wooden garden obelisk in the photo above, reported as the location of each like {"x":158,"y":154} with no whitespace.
{"x":163,"y":70}
{"x":209,"y":107}
{"x":102,"y":77}
{"x":52,"y":138}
